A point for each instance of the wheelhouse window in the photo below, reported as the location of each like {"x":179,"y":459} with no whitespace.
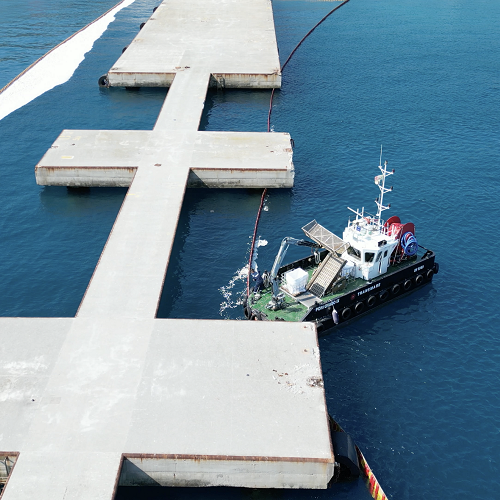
{"x":379,"y":255}
{"x":369,"y":256}
{"x":354,"y":252}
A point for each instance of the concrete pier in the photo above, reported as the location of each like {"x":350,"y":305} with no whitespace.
{"x":234,"y":39}
{"x":115,"y":396}
{"x":84,"y":158}
{"x":187,"y":402}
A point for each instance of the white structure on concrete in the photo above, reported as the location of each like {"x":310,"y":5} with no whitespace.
{"x":116,"y":396}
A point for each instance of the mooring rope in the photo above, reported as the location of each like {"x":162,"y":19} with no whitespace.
{"x":269,"y":130}
{"x":293,"y":52}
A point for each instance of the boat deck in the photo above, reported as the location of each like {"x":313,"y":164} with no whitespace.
{"x":295,"y":311}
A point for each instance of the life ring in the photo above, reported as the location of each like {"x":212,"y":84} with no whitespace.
{"x":430,"y":273}
{"x":418,"y":279}
{"x":103,"y":81}
{"x":346,"y":313}
{"x":407,"y":285}
{"x":371,"y":300}
{"x":383,"y":295}
{"x":395,"y":289}
{"x":359,"y":307}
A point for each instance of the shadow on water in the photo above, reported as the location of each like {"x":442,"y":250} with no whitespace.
{"x":172,"y":285}
{"x":341,"y":491}
{"x":80,"y":202}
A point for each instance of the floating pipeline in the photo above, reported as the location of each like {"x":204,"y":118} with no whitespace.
{"x":269,"y":129}
{"x":371,"y":481}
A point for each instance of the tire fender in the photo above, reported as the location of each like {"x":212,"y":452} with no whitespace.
{"x":346,"y":313}
{"x":359,"y":307}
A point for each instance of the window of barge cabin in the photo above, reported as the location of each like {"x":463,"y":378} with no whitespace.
{"x":369,"y":256}
{"x":378,"y":256}
{"x":354,"y":252}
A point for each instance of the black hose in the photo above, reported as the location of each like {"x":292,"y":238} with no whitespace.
{"x":295,"y":50}
{"x":269,"y":129}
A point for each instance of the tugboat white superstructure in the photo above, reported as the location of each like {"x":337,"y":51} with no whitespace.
{"x":373,"y":262}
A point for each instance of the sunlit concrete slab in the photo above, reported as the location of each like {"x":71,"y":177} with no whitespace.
{"x":216,"y":159}
{"x":60,"y":475}
{"x":128,"y":279}
{"x":234,"y":40}
{"x":187,"y":402}
{"x":29,"y":349}
{"x":185,"y":101}
{"x":83,"y":158}
{"x":115,"y":396}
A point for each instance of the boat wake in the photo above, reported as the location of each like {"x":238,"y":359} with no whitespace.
{"x":56,"y":66}
{"x":232,"y":297}
{"x":231,"y":292}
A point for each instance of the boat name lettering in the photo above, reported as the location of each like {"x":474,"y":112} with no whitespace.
{"x":328,"y":304}
{"x":369,"y":289}
{"x":418,"y":269}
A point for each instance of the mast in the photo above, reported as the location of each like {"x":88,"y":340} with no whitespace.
{"x":380,"y":181}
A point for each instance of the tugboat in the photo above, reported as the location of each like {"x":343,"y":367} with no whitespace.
{"x":374,"y":262}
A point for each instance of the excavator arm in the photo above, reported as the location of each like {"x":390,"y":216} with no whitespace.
{"x":285,"y":243}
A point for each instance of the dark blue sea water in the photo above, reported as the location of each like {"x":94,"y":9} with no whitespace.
{"x":416,"y":384}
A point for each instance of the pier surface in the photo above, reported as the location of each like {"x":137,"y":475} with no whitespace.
{"x":115,"y":396}
{"x":234,"y":39}
{"x":184,"y":402}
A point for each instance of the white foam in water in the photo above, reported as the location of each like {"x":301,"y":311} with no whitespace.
{"x":240,"y":275}
{"x":227,"y":291}
{"x":57,"y":66}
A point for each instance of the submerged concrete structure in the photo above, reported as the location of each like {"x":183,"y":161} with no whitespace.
{"x":116,"y":396}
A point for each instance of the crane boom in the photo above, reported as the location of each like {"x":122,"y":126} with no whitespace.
{"x":285,"y":243}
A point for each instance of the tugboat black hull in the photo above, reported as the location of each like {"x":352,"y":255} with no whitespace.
{"x":373,"y":295}
{"x":361,"y":300}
